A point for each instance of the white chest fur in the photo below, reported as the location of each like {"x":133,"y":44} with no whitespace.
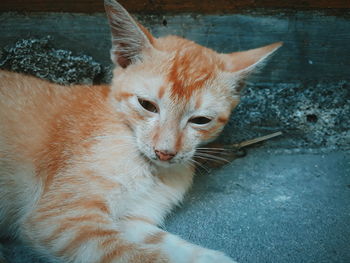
{"x":143,"y":190}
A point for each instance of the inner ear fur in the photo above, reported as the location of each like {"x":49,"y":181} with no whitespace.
{"x":129,"y":39}
{"x":246,"y":61}
{"x":240,"y":64}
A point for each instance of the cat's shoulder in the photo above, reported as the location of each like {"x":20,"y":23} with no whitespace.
{"x":20,"y":81}
{"x":14,"y":82}
{"x":14,"y":86}
{"x":9,"y":76}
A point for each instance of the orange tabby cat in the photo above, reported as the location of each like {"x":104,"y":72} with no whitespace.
{"x":88,"y":172}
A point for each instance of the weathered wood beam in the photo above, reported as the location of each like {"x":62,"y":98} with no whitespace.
{"x":172,"y":6}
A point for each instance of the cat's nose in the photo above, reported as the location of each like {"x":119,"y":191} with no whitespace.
{"x":164,"y":155}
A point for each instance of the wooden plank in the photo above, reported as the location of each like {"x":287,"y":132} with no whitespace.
{"x":160,"y":6}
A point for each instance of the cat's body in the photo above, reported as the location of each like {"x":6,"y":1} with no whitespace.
{"x":87,"y":173}
{"x":75,"y":159}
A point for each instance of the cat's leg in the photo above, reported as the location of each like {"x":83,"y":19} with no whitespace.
{"x":82,"y":231}
{"x":141,"y":231}
{"x":87,"y":234}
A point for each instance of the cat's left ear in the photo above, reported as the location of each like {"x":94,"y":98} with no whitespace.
{"x":241,"y":64}
{"x":129,"y":39}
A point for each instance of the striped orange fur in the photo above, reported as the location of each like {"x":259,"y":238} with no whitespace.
{"x":88,"y":172}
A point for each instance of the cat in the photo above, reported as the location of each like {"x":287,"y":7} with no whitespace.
{"x":87,"y":173}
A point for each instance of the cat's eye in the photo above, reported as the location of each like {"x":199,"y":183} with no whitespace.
{"x":148,"y":105}
{"x":200,"y":120}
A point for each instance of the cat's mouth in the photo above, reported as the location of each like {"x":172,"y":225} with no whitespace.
{"x":163,"y":163}
{"x":154,"y":160}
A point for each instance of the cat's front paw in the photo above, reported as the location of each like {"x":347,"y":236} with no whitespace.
{"x":212,"y":256}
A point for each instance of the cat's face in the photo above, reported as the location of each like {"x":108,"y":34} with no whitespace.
{"x":174,"y":100}
{"x":171,"y":92}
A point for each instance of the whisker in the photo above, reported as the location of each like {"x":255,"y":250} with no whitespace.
{"x":211,"y":156}
{"x":190,"y":164}
{"x":200,"y":165}
{"x":213,"y":148}
{"x":214,"y":152}
{"x":209,"y":159}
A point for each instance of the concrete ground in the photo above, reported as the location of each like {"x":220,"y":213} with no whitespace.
{"x":272,"y":206}
{"x":269,"y":206}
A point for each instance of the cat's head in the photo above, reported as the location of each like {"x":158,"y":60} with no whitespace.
{"x":174,"y":94}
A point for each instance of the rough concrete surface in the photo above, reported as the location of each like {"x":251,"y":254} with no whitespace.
{"x":288,"y":201}
{"x":37,"y":57}
{"x":310,"y":115}
{"x":272,"y":207}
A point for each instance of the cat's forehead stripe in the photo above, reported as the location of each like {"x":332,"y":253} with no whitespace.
{"x":161,"y":91}
{"x":189,"y":71}
{"x":198,"y":102}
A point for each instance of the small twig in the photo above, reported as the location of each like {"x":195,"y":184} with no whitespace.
{"x":256,"y":140}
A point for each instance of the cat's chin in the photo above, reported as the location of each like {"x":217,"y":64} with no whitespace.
{"x":164,"y":164}
{"x":161,"y":164}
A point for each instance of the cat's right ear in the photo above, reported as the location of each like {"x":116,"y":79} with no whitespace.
{"x":129,"y":39}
